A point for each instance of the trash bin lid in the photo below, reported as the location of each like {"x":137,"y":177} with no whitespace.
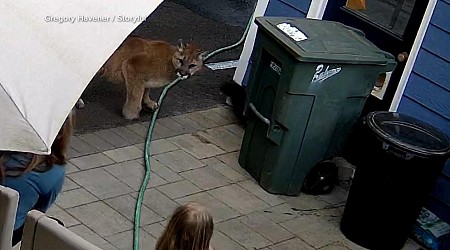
{"x":409,"y":133}
{"x":322,"y":41}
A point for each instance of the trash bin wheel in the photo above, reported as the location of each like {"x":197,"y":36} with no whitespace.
{"x":321,"y":178}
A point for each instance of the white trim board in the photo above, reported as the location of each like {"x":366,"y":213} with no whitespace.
{"x":413,"y":55}
{"x":316,"y":9}
{"x":239,"y":74}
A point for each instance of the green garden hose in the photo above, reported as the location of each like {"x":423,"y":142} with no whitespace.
{"x":137,"y":214}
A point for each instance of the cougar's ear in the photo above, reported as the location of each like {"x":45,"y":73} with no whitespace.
{"x":202,"y":55}
{"x":181,"y":45}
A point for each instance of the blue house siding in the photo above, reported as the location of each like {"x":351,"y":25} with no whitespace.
{"x":427,"y":94}
{"x":285,"y":8}
{"x":440,"y":199}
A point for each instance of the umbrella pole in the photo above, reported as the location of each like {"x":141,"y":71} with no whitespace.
{"x":137,"y":214}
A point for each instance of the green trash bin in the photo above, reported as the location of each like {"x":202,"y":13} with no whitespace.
{"x":307,"y":88}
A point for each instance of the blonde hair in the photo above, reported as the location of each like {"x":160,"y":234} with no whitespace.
{"x":190,"y":228}
{"x":59,"y":149}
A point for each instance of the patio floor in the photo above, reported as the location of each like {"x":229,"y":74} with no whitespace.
{"x":194,"y":158}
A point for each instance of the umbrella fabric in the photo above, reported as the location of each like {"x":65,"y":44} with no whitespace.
{"x":49,"y":52}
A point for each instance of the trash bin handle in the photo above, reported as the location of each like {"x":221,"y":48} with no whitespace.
{"x":387,"y":55}
{"x":361,"y":34}
{"x":357,"y":31}
{"x":397,"y":152}
{"x":259,"y":115}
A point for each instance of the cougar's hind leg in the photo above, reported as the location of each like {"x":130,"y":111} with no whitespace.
{"x":135,"y":91}
{"x":149,"y":103}
{"x":133,"y":106}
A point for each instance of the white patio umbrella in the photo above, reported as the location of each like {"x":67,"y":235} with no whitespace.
{"x":49,"y":52}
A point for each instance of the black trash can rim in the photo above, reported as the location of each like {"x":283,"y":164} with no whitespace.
{"x":409,"y":133}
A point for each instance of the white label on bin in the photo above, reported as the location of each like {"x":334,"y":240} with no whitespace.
{"x":275,"y":68}
{"x":292,"y":32}
{"x":322,"y":75}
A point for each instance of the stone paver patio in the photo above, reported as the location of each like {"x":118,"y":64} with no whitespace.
{"x":194,"y":158}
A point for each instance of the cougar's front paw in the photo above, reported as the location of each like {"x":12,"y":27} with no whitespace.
{"x":152,"y":105}
{"x":130,"y":113}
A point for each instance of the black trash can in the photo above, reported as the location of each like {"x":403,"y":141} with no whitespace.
{"x":400,"y":161}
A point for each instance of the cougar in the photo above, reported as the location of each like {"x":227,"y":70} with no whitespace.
{"x":143,"y":64}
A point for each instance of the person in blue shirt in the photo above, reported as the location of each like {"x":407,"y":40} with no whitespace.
{"x":37,"y":178}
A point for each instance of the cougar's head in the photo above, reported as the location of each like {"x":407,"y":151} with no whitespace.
{"x":187,"y":59}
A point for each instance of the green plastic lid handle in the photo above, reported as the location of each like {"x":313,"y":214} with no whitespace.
{"x":391,"y":62}
{"x":357,"y":31}
{"x":390,"y":59}
{"x":360,"y":36}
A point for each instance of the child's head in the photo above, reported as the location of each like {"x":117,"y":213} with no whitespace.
{"x":190,"y":228}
